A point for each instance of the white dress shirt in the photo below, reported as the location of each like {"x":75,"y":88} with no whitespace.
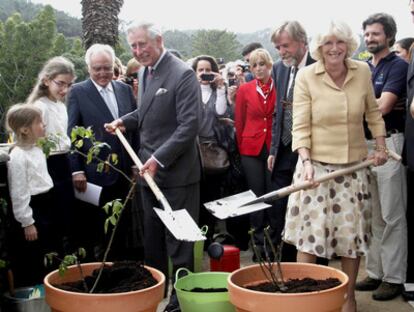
{"x":27,"y":176}
{"x":55,"y":117}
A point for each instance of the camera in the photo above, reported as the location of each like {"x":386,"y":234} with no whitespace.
{"x":207,"y":77}
{"x":233,"y":82}
{"x":130,"y":79}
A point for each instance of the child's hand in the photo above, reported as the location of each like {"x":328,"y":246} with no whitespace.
{"x":30,"y":233}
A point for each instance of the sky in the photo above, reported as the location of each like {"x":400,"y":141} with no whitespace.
{"x":244,"y":16}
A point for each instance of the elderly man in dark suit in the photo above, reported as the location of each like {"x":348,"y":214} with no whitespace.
{"x":292,"y":44}
{"x":167,"y":119}
{"x":92,"y":103}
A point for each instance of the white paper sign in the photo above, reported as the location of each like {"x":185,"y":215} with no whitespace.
{"x":91,"y":195}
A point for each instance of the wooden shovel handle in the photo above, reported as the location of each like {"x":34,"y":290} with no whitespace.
{"x":306,"y":184}
{"x":148,"y":178}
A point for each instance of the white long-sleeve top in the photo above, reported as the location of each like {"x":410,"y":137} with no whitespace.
{"x":55,"y":116}
{"x":27,"y":176}
{"x":221,"y":102}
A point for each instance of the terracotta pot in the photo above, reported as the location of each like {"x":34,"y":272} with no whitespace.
{"x":145,"y":300}
{"x":245,"y":300}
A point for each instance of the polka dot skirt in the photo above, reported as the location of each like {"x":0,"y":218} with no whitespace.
{"x":333,"y":219}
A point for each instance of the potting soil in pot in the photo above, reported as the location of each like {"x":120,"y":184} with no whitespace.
{"x":206,"y":290}
{"x":297,"y":285}
{"x":120,"y":277}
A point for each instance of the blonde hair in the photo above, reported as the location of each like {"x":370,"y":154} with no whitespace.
{"x":260,"y":55}
{"x":341,"y":31}
{"x":132,"y":65}
{"x":22,"y":116}
{"x":58,"y":65}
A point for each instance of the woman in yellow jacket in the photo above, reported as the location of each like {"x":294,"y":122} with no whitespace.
{"x":331,"y":99}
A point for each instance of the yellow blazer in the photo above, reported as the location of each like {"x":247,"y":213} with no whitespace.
{"x":329,"y":120}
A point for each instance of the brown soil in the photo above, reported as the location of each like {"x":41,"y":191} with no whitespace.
{"x":119,"y":277}
{"x":298,"y":285}
{"x":206,"y":290}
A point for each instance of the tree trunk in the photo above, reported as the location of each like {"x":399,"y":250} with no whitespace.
{"x":100,"y":21}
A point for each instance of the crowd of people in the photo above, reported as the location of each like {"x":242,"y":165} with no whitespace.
{"x":314,"y":111}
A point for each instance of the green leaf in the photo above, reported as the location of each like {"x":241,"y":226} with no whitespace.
{"x":106,"y":224}
{"x":114,"y":158}
{"x":100,"y":167}
{"x":117,"y":208}
{"x":113,"y":220}
{"x":79,"y":144}
{"x":82,"y":252}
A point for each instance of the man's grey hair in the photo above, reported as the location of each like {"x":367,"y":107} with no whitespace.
{"x":98,"y":48}
{"x":294,"y":29}
{"x":152,"y":29}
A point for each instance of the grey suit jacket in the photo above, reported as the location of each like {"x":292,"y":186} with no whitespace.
{"x":281,"y":75}
{"x":167,"y":119}
{"x":87,"y":108}
{"x":409,"y":121}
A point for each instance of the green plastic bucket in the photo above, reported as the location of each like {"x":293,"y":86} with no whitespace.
{"x":198,"y":253}
{"x":202,"y":302}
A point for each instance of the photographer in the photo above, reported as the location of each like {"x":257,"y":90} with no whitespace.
{"x":214,"y":108}
{"x":131,"y":75}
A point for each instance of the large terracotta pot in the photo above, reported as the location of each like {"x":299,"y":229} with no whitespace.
{"x":330,"y":300}
{"x":145,"y":300}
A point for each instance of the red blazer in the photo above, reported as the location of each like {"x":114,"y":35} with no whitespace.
{"x":253,"y":119}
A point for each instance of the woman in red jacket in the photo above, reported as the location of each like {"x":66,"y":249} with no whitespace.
{"x":255,"y":103}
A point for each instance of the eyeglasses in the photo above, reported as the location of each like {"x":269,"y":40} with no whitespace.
{"x":103,"y":68}
{"x":62,"y":84}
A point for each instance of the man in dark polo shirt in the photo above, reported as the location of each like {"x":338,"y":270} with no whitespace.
{"x":387,"y":258}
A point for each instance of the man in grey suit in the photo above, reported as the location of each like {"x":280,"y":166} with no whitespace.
{"x":91,"y":103}
{"x":167,"y":119}
{"x":292,"y":44}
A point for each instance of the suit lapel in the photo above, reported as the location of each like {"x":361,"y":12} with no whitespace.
{"x":159,"y":76}
{"x":140,"y":86}
{"x":120,"y":99}
{"x":284,"y":81}
{"x":98,"y":101}
{"x":410,"y":74}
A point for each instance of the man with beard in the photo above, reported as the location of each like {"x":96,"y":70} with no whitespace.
{"x":292,"y":44}
{"x":386,"y":262}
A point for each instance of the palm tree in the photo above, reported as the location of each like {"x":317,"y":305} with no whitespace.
{"x":100,"y":21}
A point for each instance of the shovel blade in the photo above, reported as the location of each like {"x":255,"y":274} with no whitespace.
{"x":180,"y":224}
{"x":231,"y":206}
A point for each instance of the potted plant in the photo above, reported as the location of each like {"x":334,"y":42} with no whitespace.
{"x":145,"y":299}
{"x":278,"y":275}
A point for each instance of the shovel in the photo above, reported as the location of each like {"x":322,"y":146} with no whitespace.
{"x":178,"y":222}
{"x":248,"y":202}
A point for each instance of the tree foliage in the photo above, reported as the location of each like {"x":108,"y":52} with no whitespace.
{"x":24,"y":48}
{"x":175,"y":39}
{"x":67,"y":25}
{"x":217,"y":43}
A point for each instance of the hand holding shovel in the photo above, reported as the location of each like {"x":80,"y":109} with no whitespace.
{"x":178,"y":222}
{"x":248,"y":202}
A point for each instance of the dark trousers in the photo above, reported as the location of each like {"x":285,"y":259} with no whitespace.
{"x":27,"y":256}
{"x":281,"y":179}
{"x":259,"y":181}
{"x":90,"y":232}
{"x":210,"y":189}
{"x":159,"y":243}
{"x":62,"y":191}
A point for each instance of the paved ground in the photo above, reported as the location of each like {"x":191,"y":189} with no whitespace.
{"x":364,"y":300}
